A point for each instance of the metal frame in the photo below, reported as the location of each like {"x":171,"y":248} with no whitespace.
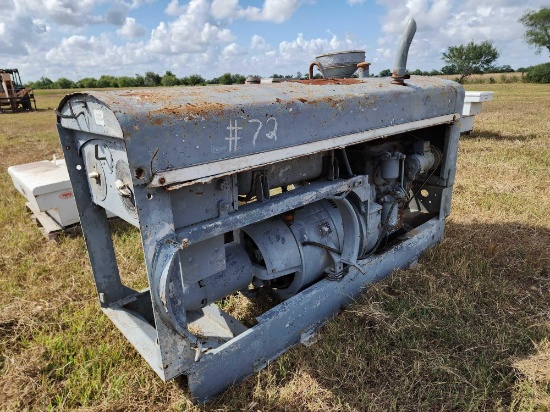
{"x":139,"y":314}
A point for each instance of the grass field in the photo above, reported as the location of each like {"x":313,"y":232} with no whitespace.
{"x":491,"y":78}
{"x":466,"y":330}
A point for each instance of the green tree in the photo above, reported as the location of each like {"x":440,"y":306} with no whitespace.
{"x":238,"y":79}
{"x":140,"y":80}
{"x":87,"y":83}
{"x":193,"y":80}
{"x":226,"y":78}
{"x":64,"y":83}
{"x":169,"y":79}
{"x":151,"y":79}
{"x":385,"y":73}
{"x":522,"y":70}
{"x":43,"y":83}
{"x":537,"y":24}
{"x":449,"y":69}
{"x":107,"y":81}
{"x":125,"y":81}
{"x":539,"y":73}
{"x":471,"y":58}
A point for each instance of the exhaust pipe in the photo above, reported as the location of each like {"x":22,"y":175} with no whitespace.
{"x":400,"y":67}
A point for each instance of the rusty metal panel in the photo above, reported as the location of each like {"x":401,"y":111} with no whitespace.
{"x":173,"y":128}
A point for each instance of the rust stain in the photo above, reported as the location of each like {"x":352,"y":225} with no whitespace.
{"x":202,"y":108}
{"x":327,"y":81}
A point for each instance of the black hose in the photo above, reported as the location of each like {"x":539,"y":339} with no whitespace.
{"x":322,"y":246}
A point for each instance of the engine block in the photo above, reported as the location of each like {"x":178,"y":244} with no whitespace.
{"x":309,"y":190}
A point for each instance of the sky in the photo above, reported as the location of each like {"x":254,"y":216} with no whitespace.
{"x":88,"y":38}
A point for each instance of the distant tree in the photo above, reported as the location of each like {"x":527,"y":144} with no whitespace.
{"x":126,"y":81}
{"x":196,"y":79}
{"x":87,"y":83}
{"x":169,"y":79}
{"x":64,"y":83}
{"x":151,"y":79}
{"x":435,"y":72}
{"x":277,"y":76}
{"x":385,"y":73}
{"x":449,"y":69}
{"x":501,"y":69}
{"x":522,"y":70}
{"x":471,"y":58}
{"x":43,"y":83}
{"x":140,"y":80}
{"x":226,"y":78}
{"x":299,"y":75}
{"x":238,"y":79}
{"x":107,"y":81}
{"x":537,"y":24}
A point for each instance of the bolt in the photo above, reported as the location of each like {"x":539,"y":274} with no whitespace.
{"x":162,"y":180}
{"x":222,"y":184}
{"x":224,"y":206}
{"x":184,"y":243}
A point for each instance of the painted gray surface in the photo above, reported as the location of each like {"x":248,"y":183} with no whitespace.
{"x":175,"y":127}
{"x":282,"y":326}
{"x":131,"y":136}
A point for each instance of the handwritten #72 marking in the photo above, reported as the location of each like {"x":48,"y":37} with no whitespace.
{"x":234,"y":132}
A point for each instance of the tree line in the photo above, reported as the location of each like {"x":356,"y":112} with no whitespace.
{"x":151,"y":79}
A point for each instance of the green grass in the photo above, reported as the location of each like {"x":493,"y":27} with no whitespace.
{"x":467,"y":330}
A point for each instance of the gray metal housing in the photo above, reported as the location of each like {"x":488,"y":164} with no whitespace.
{"x":194,"y":169}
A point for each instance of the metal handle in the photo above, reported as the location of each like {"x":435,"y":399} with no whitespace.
{"x":316,"y":63}
{"x":67,"y":116}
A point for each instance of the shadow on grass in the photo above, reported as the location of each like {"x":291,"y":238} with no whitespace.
{"x":488,"y":134}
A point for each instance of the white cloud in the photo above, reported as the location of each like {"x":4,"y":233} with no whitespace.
{"x":232,"y":51}
{"x":444,"y":23}
{"x":353,"y":2}
{"x":192,"y":32}
{"x":258,"y":43}
{"x":276,"y":11}
{"x":225,"y":9}
{"x":174,"y":8}
{"x":131,"y":29}
{"x":62,"y":12}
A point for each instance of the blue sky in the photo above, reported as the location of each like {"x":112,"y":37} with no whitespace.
{"x":76,"y":39}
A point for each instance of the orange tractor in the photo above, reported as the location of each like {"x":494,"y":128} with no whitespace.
{"x":14,"y":96}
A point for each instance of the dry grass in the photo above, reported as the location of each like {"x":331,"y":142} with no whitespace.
{"x":513,"y":77}
{"x":469,"y":329}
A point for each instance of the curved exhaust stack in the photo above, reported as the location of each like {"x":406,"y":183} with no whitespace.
{"x":400,"y":66}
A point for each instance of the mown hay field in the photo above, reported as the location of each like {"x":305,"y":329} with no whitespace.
{"x":468,"y":329}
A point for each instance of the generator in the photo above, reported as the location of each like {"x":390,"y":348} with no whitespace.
{"x":309,"y":190}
